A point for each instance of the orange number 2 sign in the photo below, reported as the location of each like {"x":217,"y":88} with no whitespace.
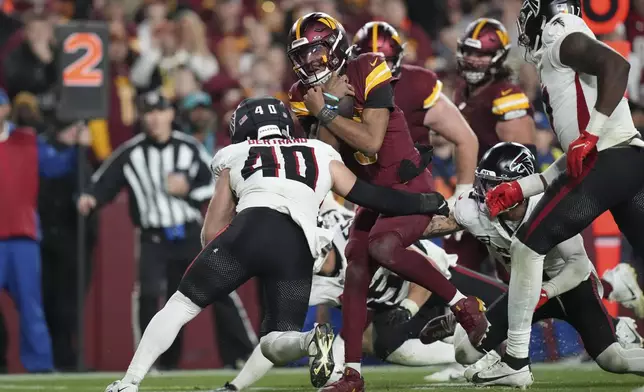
{"x":83,"y":72}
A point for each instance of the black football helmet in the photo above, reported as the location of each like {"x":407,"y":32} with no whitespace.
{"x":533,"y":17}
{"x":260,"y":118}
{"x":502,"y":163}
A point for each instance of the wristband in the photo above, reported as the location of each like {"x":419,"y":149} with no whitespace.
{"x":410,"y":305}
{"x":326,"y":115}
{"x":596,"y":122}
{"x":332,"y":97}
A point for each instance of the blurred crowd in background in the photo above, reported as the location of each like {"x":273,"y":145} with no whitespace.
{"x":206,"y":56}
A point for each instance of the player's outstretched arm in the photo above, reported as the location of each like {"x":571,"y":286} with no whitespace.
{"x":585,"y":54}
{"x":441,"y":226}
{"x":445,"y":119}
{"x":384,"y":200}
{"x":220,"y":210}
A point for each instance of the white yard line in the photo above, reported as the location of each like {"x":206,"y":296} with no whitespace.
{"x":279,"y":371}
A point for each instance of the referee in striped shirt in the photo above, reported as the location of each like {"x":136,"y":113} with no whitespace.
{"x":168,"y":179}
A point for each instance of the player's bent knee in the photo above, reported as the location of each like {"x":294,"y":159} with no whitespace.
{"x":383,"y":247}
{"x":613,"y":359}
{"x":464,"y":351}
{"x":266,"y":342}
{"x":356,"y":251}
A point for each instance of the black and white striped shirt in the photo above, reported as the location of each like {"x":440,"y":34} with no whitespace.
{"x":143,"y":165}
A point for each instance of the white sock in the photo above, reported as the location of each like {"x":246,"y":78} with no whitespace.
{"x":254,"y":369}
{"x":414,"y":353}
{"x":160,"y":334}
{"x":457,"y":297}
{"x":523,"y":295}
{"x":353,"y":365}
{"x":284,"y":347}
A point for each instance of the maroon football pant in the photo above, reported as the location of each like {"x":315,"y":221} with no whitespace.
{"x":378,"y":241}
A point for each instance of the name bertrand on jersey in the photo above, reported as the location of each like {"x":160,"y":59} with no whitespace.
{"x":276,"y":141}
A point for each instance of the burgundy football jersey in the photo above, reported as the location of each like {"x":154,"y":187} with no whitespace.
{"x":365,"y":73}
{"x":500,"y":101}
{"x":417,"y":89}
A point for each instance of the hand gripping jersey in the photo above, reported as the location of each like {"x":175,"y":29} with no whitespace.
{"x":291,"y":176}
{"x":568,"y":96}
{"x":497,"y":234}
{"x":417,"y":90}
{"x":499,"y":101}
{"x":366,"y":74}
{"x":386,"y":289}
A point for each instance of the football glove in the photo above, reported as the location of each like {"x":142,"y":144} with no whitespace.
{"x":584,"y":148}
{"x":543,"y":298}
{"x":503,"y":197}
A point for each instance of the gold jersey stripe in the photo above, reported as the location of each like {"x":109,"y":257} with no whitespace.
{"x":378,"y":75}
{"x":511,"y":102}
{"x":299,"y":109}
{"x":433,"y":97}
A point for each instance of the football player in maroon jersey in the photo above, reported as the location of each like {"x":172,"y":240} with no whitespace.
{"x":375,"y":143}
{"x":496,"y":109}
{"x":418,"y":93}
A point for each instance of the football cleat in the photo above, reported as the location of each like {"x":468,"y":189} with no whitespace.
{"x":228,"y":387}
{"x":118,"y":386}
{"x":627,"y":335}
{"x":320,"y":349}
{"x":470,"y":313}
{"x":626,"y":290}
{"x":488,"y":360}
{"x":351,"y":381}
{"x":500,"y":373}
{"x":438,"y":328}
{"x":451,"y":373}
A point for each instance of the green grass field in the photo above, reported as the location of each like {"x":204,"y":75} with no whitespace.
{"x":554,"y":378}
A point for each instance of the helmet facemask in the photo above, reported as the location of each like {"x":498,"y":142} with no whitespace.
{"x":314,"y":63}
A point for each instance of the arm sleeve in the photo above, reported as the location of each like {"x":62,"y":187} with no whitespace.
{"x":381,"y":97}
{"x":393,"y":202}
{"x":577,"y":267}
{"x":201,"y":184}
{"x":108,"y":180}
{"x":220,"y":161}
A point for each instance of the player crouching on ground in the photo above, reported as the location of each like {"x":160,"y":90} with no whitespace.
{"x":571,"y":291}
{"x":262,"y":222}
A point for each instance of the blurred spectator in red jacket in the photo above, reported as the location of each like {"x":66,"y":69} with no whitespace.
{"x":30,"y":66}
{"x":19,"y":235}
{"x":108,"y":134}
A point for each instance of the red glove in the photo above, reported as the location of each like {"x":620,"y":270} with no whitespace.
{"x":503,"y":197}
{"x":580,"y":149}
{"x":543,"y":298}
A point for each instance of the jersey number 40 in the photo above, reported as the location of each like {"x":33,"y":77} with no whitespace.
{"x":299,"y":163}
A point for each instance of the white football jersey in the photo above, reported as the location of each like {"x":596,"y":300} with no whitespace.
{"x":387,"y":289}
{"x":569,"y":97}
{"x":497,"y":234}
{"x":291,"y":176}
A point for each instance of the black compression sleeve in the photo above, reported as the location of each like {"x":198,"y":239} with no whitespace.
{"x":381,"y":97}
{"x":393,"y":202}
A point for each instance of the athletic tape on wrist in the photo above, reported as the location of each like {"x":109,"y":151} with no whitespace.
{"x":326,"y":115}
